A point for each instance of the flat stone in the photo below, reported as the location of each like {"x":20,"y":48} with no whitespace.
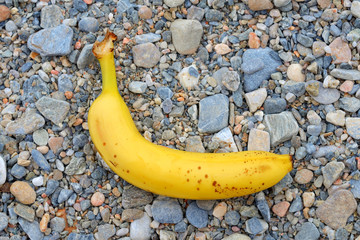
{"x":5,"y":13}
{"x":237,"y":236}
{"x":271,"y":61}
{"x":140,"y":228}
{"x":347,"y":86}
{"x":340,"y":50}
{"x":86,"y":57}
{"x":34,"y":88}
{"x":258,"y":140}
{"x":137,"y":86}
{"x":213,"y":113}
{"x":262,"y":206}
{"x":256,"y":226}
{"x":196,"y":216}
{"x":40,"y":160}
{"x":337,"y":118}
{"x":53,"y":109}
{"x":167,"y":211}
{"x":51,"y":16}
{"x":205,"y":204}
{"x":195,"y":13}
{"x":105,"y":232}
{"x":64,"y":195}
{"x":47,"y":42}
{"x":308,"y":231}
{"x":353,"y":127}
{"x":189,"y":77}
{"x":281,"y":127}
{"x":255,"y":99}
{"x":32,"y":229}
{"x":331,"y":172}
{"x":174,"y":3}
{"x":256,"y":5}
{"x":355,"y":9}
{"x":294,"y":73}
{"x":23,"y":192}
{"x":28,"y":213}
{"x":274,"y":105}
{"x":57,"y":224}
{"x":222,"y":49}
{"x":349,"y":104}
{"x":345,"y":74}
{"x":281,"y":208}
{"x":225,"y":139}
{"x":325,"y":95}
{"x":28,"y":123}
{"x":318,"y":49}
{"x":131,"y":214}
{"x":231,"y":80}
{"x":303,"y":176}
{"x":337,"y":208}
{"x":4,"y":220}
{"x":194,"y":144}
{"x":220,"y":210}
{"x":297,"y":88}
{"x":147,"y":38}
{"x":123,"y":5}
{"x":133,"y":197}
{"x":89,"y":24}
{"x":330,"y":82}
{"x":186,"y":35}
{"x":76,"y":166}
{"x":146,"y":55}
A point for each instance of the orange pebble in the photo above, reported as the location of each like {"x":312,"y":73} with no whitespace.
{"x":33,"y":55}
{"x":5,"y":100}
{"x":88,"y":1}
{"x":68,"y":94}
{"x":180,"y":99}
{"x":78,"y":122}
{"x":126,"y":41}
{"x":254,"y":41}
{"x":77,"y":45}
{"x":54,"y":72}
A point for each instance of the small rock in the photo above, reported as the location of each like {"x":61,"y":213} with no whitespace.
{"x":222,"y":49}
{"x":135,"y":197}
{"x":86,"y":57}
{"x":337,"y":208}
{"x":308,"y":199}
{"x":330,"y":82}
{"x":294,"y":73}
{"x":147,"y":38}
{"x":89,"y":24}
{"x":28,"y":123}
{"x":352,"y":127}
{"x":256,"y":5}
{"x":303,"y":176}
{"x":189,"y":77}
{"x":254,"y":41}
{"x":325,"y":95}
{"x":53,"y":109}
{"x":25,"y":212}
{"x":274,"y":105}
{"x":297,"y":88}
{"x":205,"y":204}
{"x":318,"y":49}
{"x":4,"y":220}
{"x":32,"y":229}
{"x":231,"y":80}
{"x":196,"y":216}
{"x":40,"y":160}
{"x":145,"y":12}
{"x":166,"y":211}
{"x":220,"y":210}
{"x":213,"y":113}
{"x":4,"y":13}
{"x":137,"y":87}
{"x":47,"y":42}
{"x":146,"y":55}
{"x":263,"y":206}
{"x":130,"y":214}
{"x":97,"y":199}
{"x":347,"y":86}
{"x":140,"y":228}
{"x":232,"y":218}
{"x":313,"y":88}
{"x":340,"y":50}
{"x":331,"y":172}
{"x":105,"y":232}
{"x":40,"y":137}
{"x":308,"y":231}
{"x":194,"y":144}
{"x":57,"y":224}
{"x":337,"y":118}
{"x":349,"y":104}
{"x":258,"y":140}
{"x":174,"y":3}
{"x":225,"y":140}
{"x":255,"y":99}
{"x":281,"y":208}
{"x":76,"y":166}
{"x":2,"y":172}
{"x":345,"y":74}
{"x":23,"y":192}
{"x":355,"y":9}
{"x":256,"y":226}
{"x":123,"y":6}
{"x":38,"y":181}
{"x":237,"y":236}
{"x":195,"y":13}
{"x":186,"y":35}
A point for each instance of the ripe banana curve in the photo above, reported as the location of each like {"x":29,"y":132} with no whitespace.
{"x":166,"y":171}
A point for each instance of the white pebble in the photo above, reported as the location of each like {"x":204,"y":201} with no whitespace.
{"x":38,"y":181}
{"x":59,"y":165}
{"x":2,"y":171}
{"x":122,"y":232}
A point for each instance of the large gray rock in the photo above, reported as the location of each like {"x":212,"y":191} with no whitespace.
{"x":140,"y":228}
{"x":349,"y":104}
{"x":53,"y":109}
{"x":326,"y":95}
{"x":345,"y":74}
{"x":51,"y":16}
{"x":28,"y":123}
{"x":167,"y":211}
{"x":213,"y":113}
{"x":308,"y":231}
{"x":186,"y":35}
{"x":32,"y":229}
{"x":34,"y":88}
{"x":281,"y":127}
{"x":54,"y":41}
{"x":267,"y":58}
{"x":331,"y":172}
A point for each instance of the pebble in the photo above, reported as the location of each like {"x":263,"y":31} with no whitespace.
{"x":186,"y":35}
{"x":145,"y":12}
{"x":32,"y":229}
{"x":135,"y":197}
{"x":25,"y":212}
{"x":231,"y":80}
{"x":167,"y":211}
{"x":254,"y":41}
{"x":76,"y":166}
{"x":349,"y":104}
{"x":189,"y":77}
{"x":237,"y":236}
{"x":255,"y":99}
{"x":331,"y":172}
{"x":281,"y":208}
{"x":57,"y":224}
{"x":345,"y":74}
{"x":225,"y":140}
{"x":220,"y":210}
{"x":260,"y":5}
{"x":23,"y":192}
{"x":289,"y":127}
{"x":85,"y":58}
{"x":10,"y":26}
{"x":196,"y":13}
{"x":196,"y":216}
{"x":330,"y":82}
{"x":352,"y":127}
{"x":140,"y":228}
{"x":137,"y":87}
{"x":2,"y":172}
{"x":147,"y":38}
{"x":308,"y":231}
{"x":308,"y":199}
{"x":258,"y":140}
{"x":127,"y":215}
{"x":4,"y":220}
{"x":256,"y":226}
{"x":47,"y":44}
{"x":105,"y":232}
{"x":274,"y":105}
{"x":53,"y":109}
{"x":205,"y":204}
{"x":337,"y":208}
{"x":303,"y":176}
{"x":174,"y":3}
{"x":146,"y":55}
{"x":51,"y":16}
{"x":97,"y":199}
{"x":194,"y":144}
{"x":38,"y":181}
{"x":318,"y":49}
{"x":89,"y":24}
{"x":123,"y":6}
{"x":296,"y":88}
{"x":340,"y":50}
{"x":325,"y":95}
{"x":28,"y":123}
{"x":294,"y":73}
{"x":222,"y":49}
{"x":213,"y":113}
{"x":4,"y":13}
{"x":40,"y":160}
{"x":355,"y":9}
{"x":269,"y":58}
{"x":40,"y":137}
{"x":232,"y":218}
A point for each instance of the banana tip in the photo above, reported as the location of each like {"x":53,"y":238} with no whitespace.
{"x":104,"y":47}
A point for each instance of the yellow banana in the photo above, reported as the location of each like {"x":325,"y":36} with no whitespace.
{"x":166,"y":171}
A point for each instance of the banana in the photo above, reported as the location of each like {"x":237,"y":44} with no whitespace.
{"x":166,"y":171}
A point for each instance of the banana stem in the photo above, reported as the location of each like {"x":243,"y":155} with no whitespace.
{"x":103,"y":51}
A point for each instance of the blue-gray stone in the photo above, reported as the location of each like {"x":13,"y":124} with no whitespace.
{"x":349,"y":104}
{"x":232,"y":218}
{"x":300,"y":152}
{"x":180,"y":227}
{"x":263,"y":206}
{"x":32,"y":229}
{"x":213,"y":113}
{"x":76,"y":236}
{"x":314,"y":130}
{"x":64,"y":83}
{"x":297,"y":88}
{"x":238,"y":96}
{"x":341,"y":234}
{"x":305,"y":40}
{"x":89,"y":24}
{"x":85,"y":205}
{"x":296,"y":205}
{"x":271,"y":61}
{"x":123,"y":5}
{"x":213,"y":15}
{"x":76,"y":187}
{"x":355,"y":184}
{"x":80,"y":140}
{"x":51,"y":16}
{"x":86,"y":57}
{"x":40,"y":160}
{"x":167,"y":105}
{"x":196,"y":216}
{"x":235,"y":62}
{"x":64,"y":195}
{"x":310,"y":148}
{"x":326,"y":95}
{"x":51,"y":186}
{"x":80,"y":5}
{"x":274,"y":105}
{"x":4,"y":220}
{"x":147,"y":37}
{"x":308,"y":231}
{"x":72,"y":199}
{"x":26,"y":67}
{"x":51,"y":41}
{"x":252,"y":65}
{"x":34,"y":88}
{"x":167,"y":211}
{"x":57,"y":224}
{"x":18,"y":171}
{"x":254,"y":226}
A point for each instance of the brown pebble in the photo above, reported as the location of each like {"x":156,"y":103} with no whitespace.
{"x":44,"y":222}
{"x":220,"y":210}
{"x":145,"y":12}
{"x":131,"y":214}
{"x":57,"y":174}
{"x":254,"y":40}
{"x":97,"y":199}
{"x":280,"y":209}
{"x":303,"y":176}
{"x":4,"y":13}
{"x":257,"y":5}
{"x":23,"y":192}
{"x":55,"y":143}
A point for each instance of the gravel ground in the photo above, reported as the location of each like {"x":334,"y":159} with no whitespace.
{"x":274,"y":75}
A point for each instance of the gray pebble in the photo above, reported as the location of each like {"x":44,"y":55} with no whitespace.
{"x":89,"y":24}
{"x":232,"y":218}
{"x":64,"y":195}
{"x":57,"y":224}
{"x":196,"y":216}
{"x":40,"y":160}
{"x":18,"y":171}
{"x":167,"y":211}
{"x":274,"y":105}
{"x":4,"y":220}
{"x":308,"y":231}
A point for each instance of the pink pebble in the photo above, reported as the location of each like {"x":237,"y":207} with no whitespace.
{"x":347,"y":86}
{"x":97,"y":199}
